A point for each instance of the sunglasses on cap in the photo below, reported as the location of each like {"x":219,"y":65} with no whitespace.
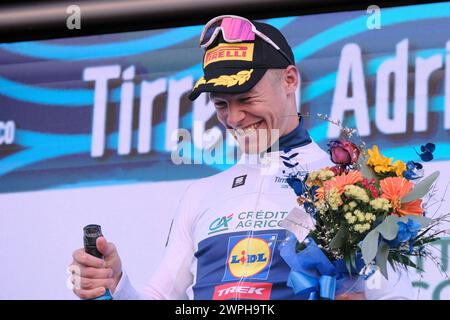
{"x":234,"y":29}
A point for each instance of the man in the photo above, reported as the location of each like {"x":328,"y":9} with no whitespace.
{"x":224,"y":243}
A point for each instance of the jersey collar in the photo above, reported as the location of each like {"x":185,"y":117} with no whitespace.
{"x":298,"y":137}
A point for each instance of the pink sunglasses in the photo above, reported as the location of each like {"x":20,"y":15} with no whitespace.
{"x":234,"y":29}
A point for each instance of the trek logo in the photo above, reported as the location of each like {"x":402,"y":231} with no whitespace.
{"x":239,"y":181}
{"x":220,"y":224}
{"x":249,"y":257}
{"x":243,"y":290}
{"x":229,"y":51}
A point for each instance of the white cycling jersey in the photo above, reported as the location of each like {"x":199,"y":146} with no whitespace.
{"x":224,"y":242}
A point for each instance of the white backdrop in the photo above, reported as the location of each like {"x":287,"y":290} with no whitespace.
{"x":40,"y":230}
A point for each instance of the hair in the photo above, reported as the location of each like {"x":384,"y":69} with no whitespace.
{"x":275,"y":76}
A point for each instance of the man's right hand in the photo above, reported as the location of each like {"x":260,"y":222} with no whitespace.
{"x":91,"y":276}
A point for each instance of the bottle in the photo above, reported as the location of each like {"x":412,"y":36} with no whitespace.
{"x":91,"y":233}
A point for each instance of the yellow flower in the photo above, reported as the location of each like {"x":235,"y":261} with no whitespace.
{"x":380,"y":163}
{"x":321,"y":206}
{"x":399,"y":166}
{"x":325,"y":174}
{"x":317,"y":178}
{"x":334,"y":199}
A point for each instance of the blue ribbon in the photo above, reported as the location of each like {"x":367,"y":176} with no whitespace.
{"x":303,"y":284}
{"x":313,"y":275}
{"x":406,"y":233}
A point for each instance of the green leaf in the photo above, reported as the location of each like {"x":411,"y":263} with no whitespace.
{"x":389,"y":227}
{"x":339,"y":239}
{"x":348,"y":264}
{"x":405,"y":260}
{"x":369,"y":246}
{"x":353,"y":259}
{"x":392,"y":262}
{"x":366,"y":170}
{"x":429,"y":240}
{"x":421,"y":189}
{"x":382,"y":257}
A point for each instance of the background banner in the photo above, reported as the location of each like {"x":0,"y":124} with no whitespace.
{"x":86,"y":129}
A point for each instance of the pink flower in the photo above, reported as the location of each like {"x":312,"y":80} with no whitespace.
{"x":338,"y":170}
{"x":370,"y":186}
{"x":343,"y":152}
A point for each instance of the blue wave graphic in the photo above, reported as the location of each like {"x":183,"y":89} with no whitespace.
{"x":103,"y":51}
{"x":318,"y":132}
{"x":390,"y":16}
{"x":44,"y":146}
{"x":48,"y":146}
{"x":46,"y":96}
{"x":117,"y":49}
{"x":326,"y":83}
{"x":85,"y":97}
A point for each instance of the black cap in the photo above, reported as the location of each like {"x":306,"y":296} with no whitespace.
{"x":237,"y":67}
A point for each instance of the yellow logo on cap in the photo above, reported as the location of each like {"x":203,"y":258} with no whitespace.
{"x":229,"y":51}
{"x":248,"y":257}
{"x":227,"y":80}
{"x":200,"y":82}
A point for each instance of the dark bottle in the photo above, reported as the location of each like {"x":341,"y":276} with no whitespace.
{"x":91,"y":233}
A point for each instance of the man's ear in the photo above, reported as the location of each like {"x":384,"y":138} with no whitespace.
{"x":291,"y":79}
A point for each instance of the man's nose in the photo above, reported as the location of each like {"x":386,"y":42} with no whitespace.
{"x":235,"y":116}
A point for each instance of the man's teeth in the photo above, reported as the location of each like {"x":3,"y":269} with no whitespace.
{"x":247,"y":130}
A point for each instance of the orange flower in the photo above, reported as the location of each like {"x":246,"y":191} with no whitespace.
{"x":394,"y":189}
{"x":339,"y":182}
{"x":320,"y":193}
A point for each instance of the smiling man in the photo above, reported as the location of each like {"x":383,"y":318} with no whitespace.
{"x":258,"y":117}
{"x":224,"y":243}
{"x":251,"y":76}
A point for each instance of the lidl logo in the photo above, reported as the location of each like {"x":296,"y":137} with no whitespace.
{"x":249,"y":257}
{"x":220,"y":224}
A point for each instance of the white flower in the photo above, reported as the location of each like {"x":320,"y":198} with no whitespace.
{"x":360,"y":215}
{"x":334,"y":199}
{"x":380,"y":204}
{"x":369,"y":216}
{"x":361,"y":228}
{"x":356,"y":193}
{"x":351,"y":219}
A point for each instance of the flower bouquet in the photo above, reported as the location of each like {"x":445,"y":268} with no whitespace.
{"x":367,"y":211}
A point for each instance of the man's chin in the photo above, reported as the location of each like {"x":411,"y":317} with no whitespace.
{"x":257,"y":143}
